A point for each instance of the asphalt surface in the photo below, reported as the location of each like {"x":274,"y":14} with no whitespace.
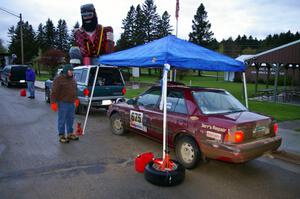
{"x":33,"y":164}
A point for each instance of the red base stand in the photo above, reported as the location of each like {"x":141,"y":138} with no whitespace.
{"x":78,"y":129}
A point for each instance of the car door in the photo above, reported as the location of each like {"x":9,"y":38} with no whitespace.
{"x":176,"y":116}
{"x":143,"y":113}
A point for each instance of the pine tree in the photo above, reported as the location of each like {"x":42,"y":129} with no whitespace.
{"x":40,"y":38}
{"x":2,"y":48}
{"x":62,"y":36}
{"x":151,"y":20}
{"x":29,"y":44}
{"x":139,"y":34}
{"x":49,"y":34}
{"x":127,"y":40}
{"x":72,"y":38}
{"x":201,"y":33}
{"x":164,"y":27}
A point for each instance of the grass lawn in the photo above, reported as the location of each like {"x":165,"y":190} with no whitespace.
{"x":281,"y":112}
{"x":43,"y":77}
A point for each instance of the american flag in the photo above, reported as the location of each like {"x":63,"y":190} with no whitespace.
{"x":177,"y":9}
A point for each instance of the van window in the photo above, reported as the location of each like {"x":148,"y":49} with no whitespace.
{"x":106,"y":77}
{"x":77,"y":75}
{"x":80,"y":75}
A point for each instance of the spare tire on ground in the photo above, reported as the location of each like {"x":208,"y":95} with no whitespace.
{"x":164,"y":178}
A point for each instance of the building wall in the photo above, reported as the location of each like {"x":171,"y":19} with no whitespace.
{"x":293,"y":75}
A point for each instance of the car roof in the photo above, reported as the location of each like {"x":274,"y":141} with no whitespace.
{"x":92,"y":66}
{"x":178,"y":85}
{"x":16,"y":66}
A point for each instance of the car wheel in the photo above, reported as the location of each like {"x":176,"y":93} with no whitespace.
{"x":164,"y":178}
{"x":117,"y":124}
{"x":47,"y":95}
{"x":187,"y":152}
{"x":81,"y":109}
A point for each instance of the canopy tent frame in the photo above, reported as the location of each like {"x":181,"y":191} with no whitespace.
{"x":166,"y":52}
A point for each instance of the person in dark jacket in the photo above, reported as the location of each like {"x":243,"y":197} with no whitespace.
{"x":64,"y":99}
{"x":30,"y":79}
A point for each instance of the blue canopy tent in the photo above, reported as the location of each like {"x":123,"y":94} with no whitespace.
{"x":172,"y":52}
{"x":178,"y":53}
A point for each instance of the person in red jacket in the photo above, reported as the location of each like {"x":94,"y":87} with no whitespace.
{"x":92,"y":38}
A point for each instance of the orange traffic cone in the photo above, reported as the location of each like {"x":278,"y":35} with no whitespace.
{"x":23,"y":92}
{"x":78,"y":129}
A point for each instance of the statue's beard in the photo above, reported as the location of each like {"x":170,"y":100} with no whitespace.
{"x":90,"y":24}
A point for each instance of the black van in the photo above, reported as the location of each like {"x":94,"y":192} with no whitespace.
{"x":14,"y":75}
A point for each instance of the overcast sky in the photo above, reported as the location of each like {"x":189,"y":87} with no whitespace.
{"x":227,"y":17}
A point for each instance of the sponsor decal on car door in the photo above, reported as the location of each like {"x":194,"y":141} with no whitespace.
{"x":136,"y":120}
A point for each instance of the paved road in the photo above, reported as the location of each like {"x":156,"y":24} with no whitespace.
{"x":34,"y":165}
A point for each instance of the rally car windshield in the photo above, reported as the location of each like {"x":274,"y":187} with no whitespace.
{"x":221,"y":102}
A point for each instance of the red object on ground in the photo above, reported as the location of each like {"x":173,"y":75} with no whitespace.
{"x":54,"y":107}
{"x":142,"y":160}
{"x":23,"y":92}
{"x":78,"y":129}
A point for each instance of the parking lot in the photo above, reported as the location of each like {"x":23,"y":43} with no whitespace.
{"x":33,"y":164}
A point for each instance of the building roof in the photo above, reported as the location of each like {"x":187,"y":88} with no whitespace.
{"x":242,"y":58}
{"x":285,"y":54}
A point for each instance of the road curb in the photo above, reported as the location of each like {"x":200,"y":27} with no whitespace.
{"x":287,"y":156}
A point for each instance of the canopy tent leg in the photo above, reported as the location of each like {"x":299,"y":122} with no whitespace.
{"x":163,"y":105}
{"x":90,"y":101}
{"x":245,"y":89}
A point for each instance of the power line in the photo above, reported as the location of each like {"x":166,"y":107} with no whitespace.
{"x":9,"y":12}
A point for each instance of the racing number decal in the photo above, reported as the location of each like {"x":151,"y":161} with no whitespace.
{"x":136,"y":120}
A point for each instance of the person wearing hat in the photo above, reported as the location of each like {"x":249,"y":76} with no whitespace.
{"x":64,"y":99}
{"x":92,"y":38}
{"x":30,"y":79}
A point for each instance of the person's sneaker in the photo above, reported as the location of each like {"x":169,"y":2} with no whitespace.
{"x":63,"y":139}
{"x":72,"y":137}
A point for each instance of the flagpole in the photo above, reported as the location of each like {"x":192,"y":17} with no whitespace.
{"x":176,"y":27}
{"x":176,"y":15}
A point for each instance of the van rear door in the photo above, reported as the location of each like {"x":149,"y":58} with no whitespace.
{"x":18,"y":73}
{"x":109,"y":82}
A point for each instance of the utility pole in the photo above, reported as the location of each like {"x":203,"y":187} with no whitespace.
{"x":22,"y":47}
{"x":21,"y":31}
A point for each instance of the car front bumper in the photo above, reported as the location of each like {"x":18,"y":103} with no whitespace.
{"x":239,"y":153}
{"x":99,"y":101}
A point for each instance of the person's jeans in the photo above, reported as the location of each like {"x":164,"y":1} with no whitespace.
{"x":66,"y":112}
{"x":30,"y":87}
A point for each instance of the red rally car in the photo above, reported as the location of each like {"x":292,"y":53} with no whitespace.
{"x":202,"y":122}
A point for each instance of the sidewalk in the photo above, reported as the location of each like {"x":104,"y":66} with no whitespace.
{"x":290,"y":146}
{"x":39,"y":84}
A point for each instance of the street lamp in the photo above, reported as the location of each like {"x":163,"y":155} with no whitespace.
{"x":21,"y":32}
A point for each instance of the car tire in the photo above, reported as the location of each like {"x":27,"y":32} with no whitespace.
{"x":164,"y":178}
{"x":47,"y":95}
{"x":117,"y":124}
{"x":187,"y":152}
{"x":81,"y":109}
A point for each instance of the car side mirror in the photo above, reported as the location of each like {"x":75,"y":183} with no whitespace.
{"x":131,"y":101}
